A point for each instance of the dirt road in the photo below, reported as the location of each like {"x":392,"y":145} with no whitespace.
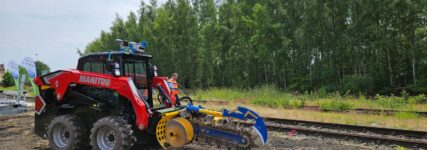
{"x":16,"y":133}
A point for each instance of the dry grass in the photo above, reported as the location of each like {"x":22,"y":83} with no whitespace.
{"x":401,"y":121}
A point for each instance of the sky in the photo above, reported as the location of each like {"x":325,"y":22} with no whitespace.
{"x":52,"y":30}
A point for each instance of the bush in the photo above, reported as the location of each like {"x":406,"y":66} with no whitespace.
{"x":404,"y":94}
{"x":322,"y":92}
{"x":8,"y":79}
{"x":335,"y":105}
{"x":295,"y":104}
{"x":335,"y":95}
{"x":421,"y":98}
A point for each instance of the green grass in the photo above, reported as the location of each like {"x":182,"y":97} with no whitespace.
{"x":221,"y":94}
{"x":12,"y":88}
{"x":263,"y":96}
{"x":406,"y":115}
{"x":279,"y":103}
{"x":270,"y":96}
{"x":335,"y":105}
{"x":29,"y":89}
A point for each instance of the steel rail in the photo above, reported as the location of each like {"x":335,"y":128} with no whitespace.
{"x":356,"y":128}
{"x":409,"y":143}
{"x":406,"y":138}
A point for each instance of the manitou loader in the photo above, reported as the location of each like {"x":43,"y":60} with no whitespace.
{"x":107,"y":103}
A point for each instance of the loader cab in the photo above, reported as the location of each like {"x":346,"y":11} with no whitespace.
{"x":119,"y":64}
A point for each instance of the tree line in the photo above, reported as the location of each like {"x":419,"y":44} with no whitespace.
{"x":356,"y":46}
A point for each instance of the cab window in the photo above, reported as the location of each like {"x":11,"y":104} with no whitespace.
{"x":137,"y":71}
{"x":94,"y":67}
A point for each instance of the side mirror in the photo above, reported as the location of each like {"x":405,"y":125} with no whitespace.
{"x":154,"y":71}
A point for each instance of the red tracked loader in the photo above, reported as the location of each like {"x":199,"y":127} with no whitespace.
{"x":108,"y":103}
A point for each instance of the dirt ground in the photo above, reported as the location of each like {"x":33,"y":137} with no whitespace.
{"x":16,"y":133}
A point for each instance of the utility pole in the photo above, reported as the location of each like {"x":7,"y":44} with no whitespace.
{"x":37,"y":56}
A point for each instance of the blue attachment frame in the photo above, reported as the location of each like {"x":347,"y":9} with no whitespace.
{"x":241,"y":113}
{"x":192,"y":108}
{"x":244,"y":113}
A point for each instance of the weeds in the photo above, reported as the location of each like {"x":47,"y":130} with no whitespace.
{"x":406,"y":115}
{"x":270,"y":96}
{"x":418,"y":99}
{"x":335,"y":105}
{"x":279,"y":103}
{"x":391,"y":102}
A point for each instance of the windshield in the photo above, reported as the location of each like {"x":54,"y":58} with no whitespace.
{"x":137,"y":71}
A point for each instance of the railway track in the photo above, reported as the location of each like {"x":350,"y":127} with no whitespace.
{"x":316,"y":108}
{"x":381,"y":136}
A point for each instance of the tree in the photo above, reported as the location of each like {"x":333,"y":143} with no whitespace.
{"x":40,"y":67}
{"x":8,"y":79}
{"x":300,"y":45}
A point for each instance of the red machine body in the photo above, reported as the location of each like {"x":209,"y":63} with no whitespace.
{"x":62,"y":79}
{"x":162,"y":83}
{"x":123,"y":85}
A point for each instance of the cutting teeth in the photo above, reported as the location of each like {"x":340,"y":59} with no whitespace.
{"x":239,"y":127}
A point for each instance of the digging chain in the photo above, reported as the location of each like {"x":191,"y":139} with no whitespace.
{"x":225,"y":125}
